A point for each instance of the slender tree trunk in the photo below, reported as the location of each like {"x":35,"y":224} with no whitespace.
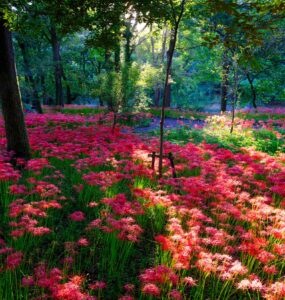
{"x":172,"y":43}
{"x":36,"y":103}
{"x":57,"y":66}
{"x":174,"y":33}
{"x":16,"y":133}
{"x":128,"y":36}
{"x":117,"y":58}
{"x":235,"y":96}
{"x":107,"y":62}
{"x":225,"y":81}
{"x":154,"y":63}
{"x":158,"y":87}
{"x":114,"y":122}
{"x":43,"y":88}
{"x":157,"y":93}
{"x":163,"y":48}
{"x":99,"y":68}
{"x":128,"y":63}
{"x":68,"y":90}
{"x":168,"y":95}
{"x":253,"y":91}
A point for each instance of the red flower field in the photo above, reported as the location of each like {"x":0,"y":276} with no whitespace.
{"x":87,"y":218}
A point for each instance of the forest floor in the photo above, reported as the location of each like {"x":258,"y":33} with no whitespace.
{"x":87,"y":217}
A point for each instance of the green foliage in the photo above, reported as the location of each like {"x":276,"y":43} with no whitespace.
{"x":111,"y":90}
{"x":267,"y":141}
{"x":217,"y":131}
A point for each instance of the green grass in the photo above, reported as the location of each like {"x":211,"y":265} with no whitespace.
{"x":260,"y":116}
{"x":176,"y":114}
{"x":107,"y":258}
{"x":261,"y":139}
{"x":84,"y":111}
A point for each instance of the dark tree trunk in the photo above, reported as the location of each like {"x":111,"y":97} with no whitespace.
{"x":107,"y":62}
{"x":16,"y":133}
{"x":117,"y":58}
{"x":157,"y":93}
{"x":174,"y":33}
{"x":128,"y":37}
{"x":168,"y":95}
{"x":57,"y":67}
{"x":36,"y":103}
{"x":225,"y":81}
{"x":101,"y":102}
{"x":253,"y":91}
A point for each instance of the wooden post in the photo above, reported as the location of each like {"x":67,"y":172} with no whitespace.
{"x":153,"y":161}
{"x":170,"y":156}
{"x":171,"y":159}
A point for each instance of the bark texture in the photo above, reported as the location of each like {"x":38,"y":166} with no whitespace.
{"x":16,"y":133}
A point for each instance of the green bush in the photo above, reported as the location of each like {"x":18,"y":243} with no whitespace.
{"x":267,"y":141}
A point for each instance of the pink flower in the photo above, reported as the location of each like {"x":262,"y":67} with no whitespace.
{"x":151,"y":289}
{"x":13,"y":260}
{"x":38,"y":231}
{"x":77,"y":216}
{"x":129,"y":287}
{"x":83,"y":242}
{"x":174,"y":294}
{"x":27,"y":281}
{"x":190,"y":281}
{"x":98,"y":285}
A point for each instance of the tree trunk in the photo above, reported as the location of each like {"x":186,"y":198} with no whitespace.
{"x":172,"y":43}
{"x":225,"y":81}
{"x":163,"y":48}
{"x":16,"y":133}
{"x":157,"y":93}
{"x":174,"y":33}
{"x":36,"y":103}
{"x":168,"y":95}
{"x":57,"y":66}
{"x":128,"y":36}
{"x":117,"y":58}
{"x":43,"y":88}
{"x":235,"y":96}
{"x":107,"y":62}
{"x":68,"y":90}
{"x":253,"y":91}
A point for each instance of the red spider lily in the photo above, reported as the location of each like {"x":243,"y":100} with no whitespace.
{"x":77,"y":216}
{"x":151,"y":289}
{"x":13,"y":260}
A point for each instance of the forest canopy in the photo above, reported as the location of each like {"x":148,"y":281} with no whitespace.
{"x":69,"y":51}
